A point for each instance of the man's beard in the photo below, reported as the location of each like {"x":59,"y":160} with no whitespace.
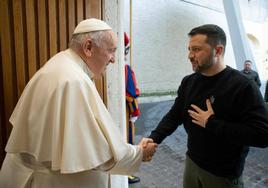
{"x":203,"y":67}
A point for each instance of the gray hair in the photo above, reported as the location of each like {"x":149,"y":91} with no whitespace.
{"x":78,"y":39}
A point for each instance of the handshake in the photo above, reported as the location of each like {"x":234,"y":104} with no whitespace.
{"x":148,"y":148}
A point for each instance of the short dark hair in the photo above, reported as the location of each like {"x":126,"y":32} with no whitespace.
{"x":215,"y":34}
{"x":248,"y":61}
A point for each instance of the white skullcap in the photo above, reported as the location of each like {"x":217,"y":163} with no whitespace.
{"x":91,"y":24}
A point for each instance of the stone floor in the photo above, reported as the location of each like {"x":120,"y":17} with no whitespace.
{"x":166,"y":168}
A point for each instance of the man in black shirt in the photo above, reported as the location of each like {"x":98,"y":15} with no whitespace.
{"x":251,"y":74}
{"x":222,"y":112}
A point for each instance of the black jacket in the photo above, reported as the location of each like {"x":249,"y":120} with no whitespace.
{"x":252,"y":75}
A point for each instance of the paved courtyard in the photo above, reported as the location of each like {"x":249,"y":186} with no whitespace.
{"x":166,"y":168}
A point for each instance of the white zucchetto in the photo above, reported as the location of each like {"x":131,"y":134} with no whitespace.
{"x":91,"y":24}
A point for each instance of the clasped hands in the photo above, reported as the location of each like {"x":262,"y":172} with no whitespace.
{"x":148,"y":148}
{"x":200,"y":117}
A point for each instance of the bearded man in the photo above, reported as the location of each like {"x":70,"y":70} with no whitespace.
{"x":222,"y":112}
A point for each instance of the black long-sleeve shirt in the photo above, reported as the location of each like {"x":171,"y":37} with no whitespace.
{"x":240,"y":121}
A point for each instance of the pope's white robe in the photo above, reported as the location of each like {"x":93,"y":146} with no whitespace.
{"x":63,"y":135}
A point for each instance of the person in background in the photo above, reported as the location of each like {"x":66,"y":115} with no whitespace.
{"x":132,"y":111}
{"x":222,"y":112}
{"x":63,"y":136}
{"x":251,"y":74}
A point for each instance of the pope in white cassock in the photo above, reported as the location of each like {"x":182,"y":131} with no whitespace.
{"x":63,"y":135}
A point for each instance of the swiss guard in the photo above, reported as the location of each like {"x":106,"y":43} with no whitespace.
{"x":132,"y":108}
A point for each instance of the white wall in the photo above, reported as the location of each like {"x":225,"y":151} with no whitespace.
{"x":160,"y":40}
{"x":259,"y":46}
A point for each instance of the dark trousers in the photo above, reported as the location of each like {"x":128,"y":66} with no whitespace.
{"x":196,"y":177}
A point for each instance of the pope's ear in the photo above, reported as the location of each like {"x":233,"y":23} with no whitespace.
{"x":87,"y":47}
